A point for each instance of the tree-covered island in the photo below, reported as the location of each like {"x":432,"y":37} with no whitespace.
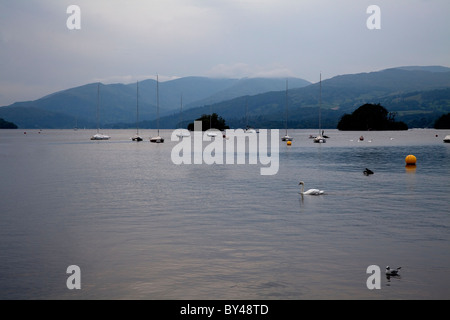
{"x":370,"y":117}
{"x":443,"y":122}
{"x":7,"y":125}
{"x":210,"y":122}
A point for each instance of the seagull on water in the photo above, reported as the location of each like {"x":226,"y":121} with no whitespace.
{"x":392,"y":272}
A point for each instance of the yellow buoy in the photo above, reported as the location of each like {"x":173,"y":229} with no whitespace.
{"x":410,"y":160}
{"x":289,"y":143}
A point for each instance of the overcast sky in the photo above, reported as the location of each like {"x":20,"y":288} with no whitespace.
{"x":128,"y":40}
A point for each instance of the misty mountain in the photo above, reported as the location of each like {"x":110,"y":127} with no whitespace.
{"x":117,"y":102}
{"x":251,"y":86}
{"x":417,"y":96}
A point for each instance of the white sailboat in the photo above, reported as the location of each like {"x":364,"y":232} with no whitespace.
{"x":98,"y":135}
{"x":137,"y":137}
{"x":158,"y":138}
{"x":286,"y":137}
{"x":182,"y":132}
{"x":447,"y":139}
{"x":320,"y":138}
{"x":211,"y":134}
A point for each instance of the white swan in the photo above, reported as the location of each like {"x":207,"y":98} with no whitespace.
{"x":313,"y":192}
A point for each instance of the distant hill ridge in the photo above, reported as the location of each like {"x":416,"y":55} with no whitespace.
{"x":417,"y":94}
{"x":429,"y":68}
{"x":118,"y":101}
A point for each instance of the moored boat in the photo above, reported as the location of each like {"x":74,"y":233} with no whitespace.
{"x":98,"y":135}
{"x":158,"y":138}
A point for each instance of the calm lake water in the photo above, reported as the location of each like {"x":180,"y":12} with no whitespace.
{"x":141,"y":227}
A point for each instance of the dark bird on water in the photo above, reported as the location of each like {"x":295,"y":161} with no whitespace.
{"x":392,"y":272}
{"x":367,"y":172}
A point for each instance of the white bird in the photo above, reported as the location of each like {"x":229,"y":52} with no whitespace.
{"x":392,"y":272}
{"x":313,"y":192}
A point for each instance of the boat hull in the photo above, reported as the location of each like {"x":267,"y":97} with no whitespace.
{"x":157,"y":140}
{"x":447,"y":139}
{"x":100,"y":137}
{"x":319,"y":139}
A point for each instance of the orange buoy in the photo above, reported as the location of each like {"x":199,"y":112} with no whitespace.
{"x":410,"y":160}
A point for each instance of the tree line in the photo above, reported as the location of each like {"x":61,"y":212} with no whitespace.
{"x":7,"y":125}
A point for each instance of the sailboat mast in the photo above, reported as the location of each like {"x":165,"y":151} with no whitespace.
{"x":320,"y":105}
{"x":158,"y":138}
{"x":246,"y":113}
{"x":137,"y":107}
{"x":181,"y":110}
{"x":98,"y":106}
{"x":157,"y":102}
{"x":286,"y":105}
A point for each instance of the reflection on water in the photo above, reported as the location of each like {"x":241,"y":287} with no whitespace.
{"x":141,"y":227}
